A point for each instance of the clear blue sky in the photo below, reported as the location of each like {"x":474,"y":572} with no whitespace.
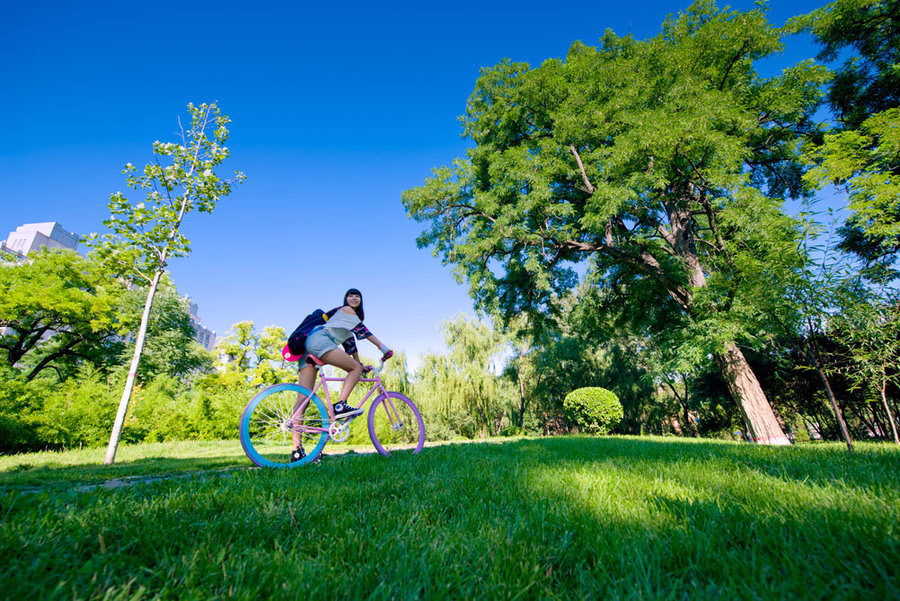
{"x":336,"y":110}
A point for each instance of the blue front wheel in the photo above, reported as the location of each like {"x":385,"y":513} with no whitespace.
{"x":276,"y":419}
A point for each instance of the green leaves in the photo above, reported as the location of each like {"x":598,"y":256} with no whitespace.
{"x":58,"y":294}
{"x":866,"y":161}
{"x":254,"y":356}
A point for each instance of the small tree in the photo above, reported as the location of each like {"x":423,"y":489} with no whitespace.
{"x":146,"y":234}
{"x":594,"y":410}
{"x":871,"y":330}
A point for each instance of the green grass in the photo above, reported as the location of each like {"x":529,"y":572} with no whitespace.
{"x":616,"y":518}
{"x":85,"y":467}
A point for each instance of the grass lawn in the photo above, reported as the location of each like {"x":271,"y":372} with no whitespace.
{"x":611,"y":518}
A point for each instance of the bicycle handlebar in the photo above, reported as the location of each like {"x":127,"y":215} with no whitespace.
{"x":377,"y":370}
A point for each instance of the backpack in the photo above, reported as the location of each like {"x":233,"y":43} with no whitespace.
{"x":297,"y":342}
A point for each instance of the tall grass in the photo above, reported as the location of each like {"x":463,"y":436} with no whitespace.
{"x":617,"y":518}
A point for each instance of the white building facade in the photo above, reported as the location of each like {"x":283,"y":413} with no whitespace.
{"x":33,"y":236}
{"x":204,"y":336}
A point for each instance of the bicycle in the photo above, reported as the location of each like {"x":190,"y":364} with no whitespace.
{"x":274,"y":415}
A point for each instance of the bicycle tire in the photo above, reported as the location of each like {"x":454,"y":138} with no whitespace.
{"x":266,"y":429}
{"x":383,"y":414}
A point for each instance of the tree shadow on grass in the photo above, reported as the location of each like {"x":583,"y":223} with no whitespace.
{"x":872,"y":467}
{"x":29,"y":476}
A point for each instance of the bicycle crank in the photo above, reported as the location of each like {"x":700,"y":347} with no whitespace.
{"x":339,"y":431}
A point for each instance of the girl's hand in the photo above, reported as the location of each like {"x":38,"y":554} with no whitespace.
{"x":387,"y":355}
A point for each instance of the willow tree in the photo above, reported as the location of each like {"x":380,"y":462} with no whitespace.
{"x":665,"y":161}
{"x":146,"y":234}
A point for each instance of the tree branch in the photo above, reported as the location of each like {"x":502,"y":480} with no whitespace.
{"x":584,"y":177}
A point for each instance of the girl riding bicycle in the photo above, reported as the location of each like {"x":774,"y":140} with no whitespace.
{"x":334,"y":344}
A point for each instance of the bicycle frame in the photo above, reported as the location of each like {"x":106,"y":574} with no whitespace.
{"x":323,"y":380}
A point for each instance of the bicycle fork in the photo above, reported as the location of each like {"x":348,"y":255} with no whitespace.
{"x":393,"y":415}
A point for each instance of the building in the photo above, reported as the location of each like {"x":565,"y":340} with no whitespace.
{"x":33,"y":236}
{"x":204,"y":336}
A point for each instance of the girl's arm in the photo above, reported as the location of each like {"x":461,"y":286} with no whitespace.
{"x":386,"y":352}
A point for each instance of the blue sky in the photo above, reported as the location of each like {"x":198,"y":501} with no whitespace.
{"x":336,"y":111}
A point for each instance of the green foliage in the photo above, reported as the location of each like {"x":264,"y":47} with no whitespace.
{"x":865,"y":36}
{"x":55,"y":308}
{"x":218,"y":399}
{"x":595,"y":410}
{"x":663,"y":164}
{"x":79,"y":411}
{"x":20,"y":404}
{"x":860,"y":153}
{"x":170,"y":348}
{"x":865,"y":161}
{"x":159,"y":413}
{"x":649,"y":153}
{"x":395,"y":374}
{"x":147,"y":234}
{"x":460,"y":393}
{"x":256,"y":355}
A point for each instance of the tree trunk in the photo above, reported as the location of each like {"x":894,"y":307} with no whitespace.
{"x":689,"y":426}
{"x":834,"y":406}
{"x":814,"y":356}
{"x":887,"y":407}
{"x":751,"y":400}
{"x":132,"y":373}
{"x":521,"y":399}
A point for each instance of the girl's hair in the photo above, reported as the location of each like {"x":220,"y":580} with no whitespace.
{"x":359,"y":310}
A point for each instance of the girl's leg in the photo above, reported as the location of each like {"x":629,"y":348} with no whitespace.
{"x":354,"y":369}
{"x":307,"y":380}
{"x":308,"y":376}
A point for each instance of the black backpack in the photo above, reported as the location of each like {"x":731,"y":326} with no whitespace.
{"x":297,"y":341}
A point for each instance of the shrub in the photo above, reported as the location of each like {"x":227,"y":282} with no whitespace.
{"x":594,"y":410}
{"x":79,"y":411}
{"x":20,"y":407}
{"x":512,"y":431}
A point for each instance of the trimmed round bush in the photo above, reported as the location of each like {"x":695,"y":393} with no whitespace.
{"x":594,"y":410}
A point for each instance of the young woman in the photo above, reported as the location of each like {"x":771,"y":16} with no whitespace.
{"x":334,"y":344}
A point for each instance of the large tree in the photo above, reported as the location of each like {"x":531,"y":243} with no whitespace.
{"x":666,"y":161}
{"x":146,"y":234}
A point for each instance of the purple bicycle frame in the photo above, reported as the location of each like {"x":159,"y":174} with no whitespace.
{"x":323,"y":383}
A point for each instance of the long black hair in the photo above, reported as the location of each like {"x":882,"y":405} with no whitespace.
{"x":359,"y":310}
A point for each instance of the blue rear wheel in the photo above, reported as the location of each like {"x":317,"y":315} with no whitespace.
{"x":269,"y":426}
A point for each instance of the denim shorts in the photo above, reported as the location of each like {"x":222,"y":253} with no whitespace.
{"x":320,"y":343}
